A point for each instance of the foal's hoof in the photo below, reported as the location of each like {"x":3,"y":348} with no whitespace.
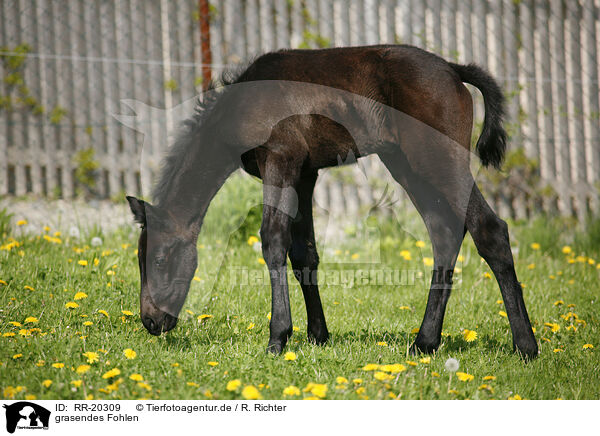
{"x":318,"y":338}
{"x":275,"y":348}
{"x":421,"y":348}
{"x":528,"y":351}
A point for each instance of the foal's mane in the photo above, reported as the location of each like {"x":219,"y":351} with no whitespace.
{"x":188,"y":135}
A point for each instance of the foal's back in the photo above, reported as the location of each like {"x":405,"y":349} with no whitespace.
{"x":362,"y":84}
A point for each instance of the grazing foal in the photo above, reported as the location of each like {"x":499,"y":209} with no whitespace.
{"x":293,"y":112}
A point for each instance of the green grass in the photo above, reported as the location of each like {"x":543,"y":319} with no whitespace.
{"x":175,"y":365}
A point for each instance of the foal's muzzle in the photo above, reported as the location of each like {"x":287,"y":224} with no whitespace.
{"x":159,"y":324}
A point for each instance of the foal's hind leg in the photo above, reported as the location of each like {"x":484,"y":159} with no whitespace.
{"x":305,"y":259}
{"x":490,"y":235}
{"x":446,"y":232}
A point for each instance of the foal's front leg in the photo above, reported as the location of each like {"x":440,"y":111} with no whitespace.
{"x":280,"y":205}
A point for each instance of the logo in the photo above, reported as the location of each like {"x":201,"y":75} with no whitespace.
{"x":26,"y":415}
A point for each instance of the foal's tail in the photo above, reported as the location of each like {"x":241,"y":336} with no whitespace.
{"x":492,"y":142}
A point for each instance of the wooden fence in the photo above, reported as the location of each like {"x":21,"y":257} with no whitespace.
{"x":84,"y":57}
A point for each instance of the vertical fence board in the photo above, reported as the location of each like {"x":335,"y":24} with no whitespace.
{"x":557,"y":50}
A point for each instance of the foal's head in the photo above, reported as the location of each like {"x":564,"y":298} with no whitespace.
{"x":168,"y":259}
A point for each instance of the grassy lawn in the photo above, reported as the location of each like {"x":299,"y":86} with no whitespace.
{"x":62,"y":297}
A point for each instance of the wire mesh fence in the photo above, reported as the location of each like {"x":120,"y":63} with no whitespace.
{"x":67,"y":66}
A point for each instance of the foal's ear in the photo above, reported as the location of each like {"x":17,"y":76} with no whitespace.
{"x":138,"y":208}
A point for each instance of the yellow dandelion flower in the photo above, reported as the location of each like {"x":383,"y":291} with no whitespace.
{"x":21,"y":223}
{"x":357,"y":381}
{"x":382,"y":344}
{"x":47,"y":383}
{"x":515,"y":397}
{"x":531,"y":266}
{"x":415,"y":331}
{"x":469,"y":335}
{"x":82,"y":262}
{"x":411,"y":363}
{"x":464,"y":377}
{"x":382,"y":376}
{"x":144,"y":386}
{"x":588,"y":346}
{"x":559,"y":303}
{"x":360,"y":390}
{"x":91,"y":356}
{"x":567,"y":250}
{"x":502,"y":314}
{"x":355,"y":256}
{"x":29,"y":288}
{"x":489,"y":378}
{"x":261,"y":261}
{"x":103,"y":312}
{"x":204,"y":316}
{"x":487,"y":275}
{"x":428,"y":261}
{"x":558,"y":350}
{"x":71,"y":305}
{"x":420,"y":244}
{"x":535,"y":246}
{"x":80,"y":296}
{"x":15,"y":323}
{"x":212,"y":363}
{"x":394,"y":368}
{"x":250,"y":326}
{"x":426,"y":360}
{"x":58,"y":365}
{"x":296,"y":329}
{"x":31,"y":320}
{"x":233,"y":385}
{"x":127,"y":312}
{"x":553,"y":326}
{"x":2,"y":282}
{"x":252,"y":240}
{"x":82,"y":369}
{"x":318,"y":390}
{"x":193,"y":384}
{"x":40,"y":363}
{"x":370,"y":367}
{"x":110,"y":272}
{"x":290,"y":355}
{"x":112,"y":373}
{"x":17,"y":356}
{"x":404,"y":308}
{"x":76,"y":383}
{"x":136,"y":377}
{"x":251,"y":393}
{"x":88,"y":323}
{"x":291,"y":391}
{"x":8,"y":334}
{"x":341,"y":380}
{"x":129,"y":353}
{"x":435,"y":374}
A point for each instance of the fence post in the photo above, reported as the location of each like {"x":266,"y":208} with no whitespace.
{"x":204,"y":11}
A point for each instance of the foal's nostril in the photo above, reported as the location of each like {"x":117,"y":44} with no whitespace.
{"x":150,"y":323}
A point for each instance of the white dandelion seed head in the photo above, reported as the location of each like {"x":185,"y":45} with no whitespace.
{"x":451,"y":365}
{"x":257,"y":246}
{"x":96,"y":241}
{"x":74,"y":232}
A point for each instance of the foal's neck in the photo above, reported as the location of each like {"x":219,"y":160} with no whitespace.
{"x":202,"y":173}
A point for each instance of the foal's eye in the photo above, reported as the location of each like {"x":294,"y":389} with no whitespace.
{"x":160,"y":261}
